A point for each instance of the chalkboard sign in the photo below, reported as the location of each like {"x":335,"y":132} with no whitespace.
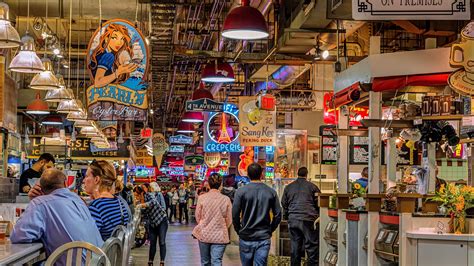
{"x":359,"y":150}
{"x":329,"y":144}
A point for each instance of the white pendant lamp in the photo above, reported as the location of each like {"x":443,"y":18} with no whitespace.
{"x":60,"y":94}
{"x":89,"y":131}
{"x":26,"y":61}
{"x":68,"y":106}
{"x":82,"y":123}
{"x":9,"y":37}
{"x":45,"y":80}
{"x":80,"y":115}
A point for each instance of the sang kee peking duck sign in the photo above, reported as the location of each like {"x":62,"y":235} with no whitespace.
{"x":117,"y":61}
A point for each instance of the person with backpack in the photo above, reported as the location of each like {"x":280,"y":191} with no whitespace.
{"x":157,"y":221}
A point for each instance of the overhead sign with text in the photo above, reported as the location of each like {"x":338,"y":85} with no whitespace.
{"x":176,"y":149}
{"x":221,"y":130}
{"x":204,"y":105}
{"x":181,"y":139}
{"x":117,"y":61}
{"x":257,"y":126}
{"x":411,"y":9}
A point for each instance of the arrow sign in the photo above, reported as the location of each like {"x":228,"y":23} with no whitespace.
{"x":204,"y":105}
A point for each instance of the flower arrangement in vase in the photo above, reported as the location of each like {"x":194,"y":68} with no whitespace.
{"x":455,"y":199}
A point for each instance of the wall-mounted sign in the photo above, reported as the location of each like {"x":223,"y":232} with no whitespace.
{"x":144,"y":158}
{"x":109,"y":128}
{"x":257,"y":126}
{"x":181,"y":139}
{"x":176,"y":171}
{"x":462,"y":80}
{"x":159,"y":144}
{"x":329,"y":145}
{"x":145,"y":172}
{"x":359,"y":150}
{"x":194,"y":160}
{"x":205,"y":105}
{"x":221,"y":130}
{"x":117,"y":61}
{"x":212,"y":159}
{"x":146,"y":133}
{"x":411,"y":9}
{"x":176,"y":149}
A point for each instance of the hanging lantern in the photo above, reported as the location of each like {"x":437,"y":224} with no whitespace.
{"x":26,"y":61}
{"x":37,"y":106}
{"x":245,"y":23}
{"x":215,"y":72}
{"x":9,"y":37}
{"x":45,"y":80}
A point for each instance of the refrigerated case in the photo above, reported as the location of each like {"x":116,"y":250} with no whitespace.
{"x":290,"y":152}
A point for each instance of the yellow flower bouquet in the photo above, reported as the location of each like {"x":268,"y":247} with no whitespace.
{"x":456,"y":199}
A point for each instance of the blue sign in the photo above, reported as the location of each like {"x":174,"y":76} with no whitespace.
{"x":214,"y":133}
{"x":181,"y":139}
{"x":176,"y":149}
{"x":204,"y":105}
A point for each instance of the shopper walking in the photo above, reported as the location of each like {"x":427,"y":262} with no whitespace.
{"x":157,"y":222}
{"x":300,"y":208}
{"x":174,"y":198}
{"x":213,"y":216}
{"x":107,"y":210}
{"x":183,"y":204}
{"x":253,"y":204}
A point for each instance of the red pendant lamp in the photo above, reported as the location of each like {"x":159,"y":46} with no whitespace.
{"x":245,"y":23}
{"x":184,"y":127}
{"x":217,"y":72}
{"x":193,"y":117}
{"x":202,"y":93}
{"x":37,"y":106}
{"x":52,"y":120}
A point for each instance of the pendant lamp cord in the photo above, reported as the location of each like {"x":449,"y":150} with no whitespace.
{"x":28,"y":17}
{"x":77,"y":73}
{"x":69,"y":49}
{"x":136,"y":15}
{"x":46,"y":27}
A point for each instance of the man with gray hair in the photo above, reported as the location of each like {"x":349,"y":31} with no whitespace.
{"x":56,"y":217}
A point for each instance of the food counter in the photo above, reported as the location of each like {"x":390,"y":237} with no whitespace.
{"x":20,"y":254}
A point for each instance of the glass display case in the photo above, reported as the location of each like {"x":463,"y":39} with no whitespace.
{"x":290,"y":152}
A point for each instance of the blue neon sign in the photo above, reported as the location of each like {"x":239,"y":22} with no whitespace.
{"x":210,"y":144}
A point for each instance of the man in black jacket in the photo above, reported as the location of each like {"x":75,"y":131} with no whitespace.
{"x":300,"y":208}
{"x":251,"y":210}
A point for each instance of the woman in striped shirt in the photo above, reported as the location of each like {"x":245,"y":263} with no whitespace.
{"x":107,"y":210}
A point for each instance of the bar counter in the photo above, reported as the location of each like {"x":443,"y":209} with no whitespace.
{"x":19,"y":254}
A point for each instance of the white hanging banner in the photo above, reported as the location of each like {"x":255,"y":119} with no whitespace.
{"x":411,"y":9}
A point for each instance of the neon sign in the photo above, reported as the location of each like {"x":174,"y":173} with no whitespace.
{"x":226,"y":139}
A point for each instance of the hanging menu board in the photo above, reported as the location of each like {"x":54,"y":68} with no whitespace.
{"x":359,"y":150}
{"x":329,"y":145}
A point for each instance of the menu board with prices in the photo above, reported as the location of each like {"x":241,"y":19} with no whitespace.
{"x":329,"y":144}
{"x":359,"y":150}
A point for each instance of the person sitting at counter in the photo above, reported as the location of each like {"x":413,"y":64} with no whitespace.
{"x":107,"y":210}
{"x":57,"y":217}
{"x":45,"y":161}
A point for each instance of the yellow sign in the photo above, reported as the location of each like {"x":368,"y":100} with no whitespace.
{"x":257,"y":127}
{"x":143,"y":158}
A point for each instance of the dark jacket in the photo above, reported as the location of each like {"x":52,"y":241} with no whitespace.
{"x":300,"y":201}
{"x":251,"y":212}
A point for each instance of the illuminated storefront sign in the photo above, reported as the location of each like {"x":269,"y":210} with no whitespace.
{"x":176,"y":170}
{"x":181,"y":139}
{"x":176,"y":149}
{"x":222,"y":133}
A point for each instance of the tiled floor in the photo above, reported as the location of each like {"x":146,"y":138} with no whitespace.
{"x":183,"y":250}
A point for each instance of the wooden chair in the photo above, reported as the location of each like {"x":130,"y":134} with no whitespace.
{"x":78,"y":252}
{"x":114,"y":250}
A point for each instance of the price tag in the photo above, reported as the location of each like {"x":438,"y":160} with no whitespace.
{"x":468,"y":121}
{"x":417,"y":122}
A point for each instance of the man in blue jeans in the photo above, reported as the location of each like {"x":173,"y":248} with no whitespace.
{"x":251,"y":210}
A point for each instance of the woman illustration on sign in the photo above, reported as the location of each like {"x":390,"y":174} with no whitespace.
{"x":105,"y":63}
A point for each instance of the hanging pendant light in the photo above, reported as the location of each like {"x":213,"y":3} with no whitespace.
{"x":37,"y":106}
{"x":184,"y":127}
{"x":193,"y":117}
{"x":82,"y":123}
{"x":68,"y":106}
{"x":202,"y":93}
{"x":80,"y":115}
{"x":215,"y":72}
{"x":60,"y":94}
{"x":90,"y":130}
{"x":45,"y":80}
{"x":53,"y":120}
{"x":9,"y":37}
{"x":26,"y":61}
{"x":245,"y":23}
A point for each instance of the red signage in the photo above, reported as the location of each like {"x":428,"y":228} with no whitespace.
{"x":267,"y":102}
{"x":331,"y":115}
{"x":146,"y":133}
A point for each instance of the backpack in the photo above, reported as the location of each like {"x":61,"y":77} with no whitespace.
{"x":156,"y":212}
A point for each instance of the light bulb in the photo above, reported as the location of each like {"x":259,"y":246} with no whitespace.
{"x":56,"y":51}
{"x":325,"y":54}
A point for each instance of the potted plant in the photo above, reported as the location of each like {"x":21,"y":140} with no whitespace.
{"x":455,"y":199}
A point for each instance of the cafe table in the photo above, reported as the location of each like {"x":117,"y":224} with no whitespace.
{"x":19,"y":254}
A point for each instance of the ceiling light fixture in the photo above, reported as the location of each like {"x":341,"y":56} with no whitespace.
{"x":59,"y":94}
{"x":52,"y":120}
{"x":218,"y":72}
{"x":245,"y":23}
{"x":37,"y":106}
{"x":26,"y":61}
{"x":325,"y":54}
{"x":68,"y":106}
{"x":193,"y":117}
{"x":184,"y":127}
{"x":9,"y":37}
{"x":45,"y":80}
